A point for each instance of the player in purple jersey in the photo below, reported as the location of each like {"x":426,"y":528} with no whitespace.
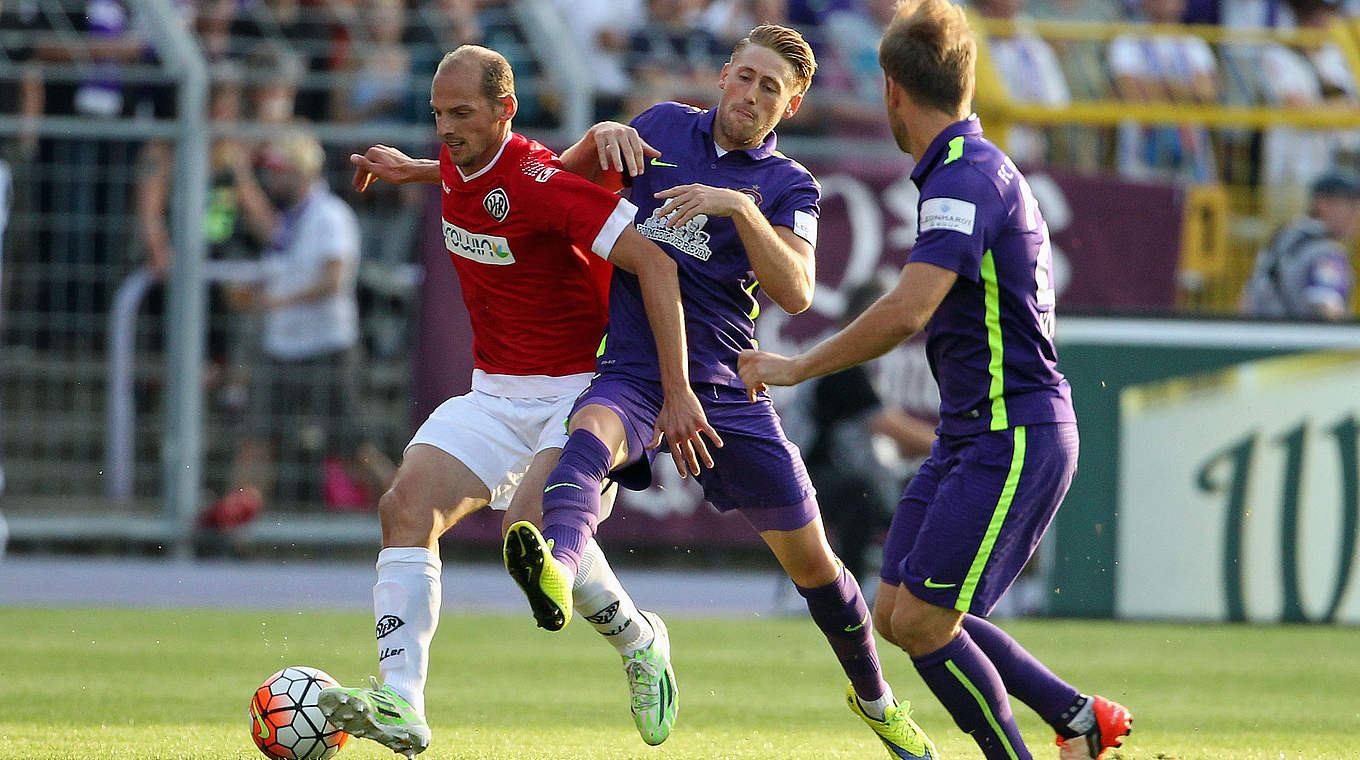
{"x":736,"y":216}
{"x":979,"y":281}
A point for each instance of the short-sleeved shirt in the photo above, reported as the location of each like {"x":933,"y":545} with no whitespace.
{"x":307,"y":238}
{"x":520,"y":232}
{"x":717,"y":285}
{"x":990,"y":341}
{"x":1300,"y":271}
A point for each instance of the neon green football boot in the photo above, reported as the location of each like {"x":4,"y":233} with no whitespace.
{"x":900,"y":734}
{"x":379,"y":714}
{"x":651,"y":681}
{"x":529,"y":560}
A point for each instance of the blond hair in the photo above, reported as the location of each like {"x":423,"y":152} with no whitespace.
{"x":790,"y":46}
{"x":929,"y":51}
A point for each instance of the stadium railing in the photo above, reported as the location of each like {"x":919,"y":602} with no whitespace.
{"x":1227,"y":221}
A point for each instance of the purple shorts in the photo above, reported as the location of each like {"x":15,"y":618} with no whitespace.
{"x":974,"y":513}
{"x":758,"y":471}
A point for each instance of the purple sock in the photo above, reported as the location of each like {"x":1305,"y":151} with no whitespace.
{"x":838,"y":609}
{"x":968,"y":686}
{"x":571,"y":498}
{"x":1027,"y":679}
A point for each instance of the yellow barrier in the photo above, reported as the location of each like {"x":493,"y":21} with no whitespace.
{"x":1224,"y":225}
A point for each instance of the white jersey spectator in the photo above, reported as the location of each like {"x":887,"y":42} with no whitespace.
{"x":319,"y":230}
{"x":1305,"y":270}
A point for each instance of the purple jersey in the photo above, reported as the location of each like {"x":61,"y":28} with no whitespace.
{"x":990,"y":342}
{"x":717,"y":285}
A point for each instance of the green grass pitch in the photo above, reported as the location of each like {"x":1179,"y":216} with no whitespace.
{"x":149,"y":684}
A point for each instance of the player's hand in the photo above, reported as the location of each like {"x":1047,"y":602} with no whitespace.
{"x":683,"y":425}
{"x":620,"y":148}
{"x":761,"y":369}
{"x":379,"y":162}
{"x":689,"y":201}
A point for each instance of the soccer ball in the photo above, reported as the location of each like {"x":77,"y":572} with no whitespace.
{"x":287,"y":724}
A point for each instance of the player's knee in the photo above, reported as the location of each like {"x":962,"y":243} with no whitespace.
{"x":883,"y":624}
{"x":405,"y":521}
{"x":921,"y":628}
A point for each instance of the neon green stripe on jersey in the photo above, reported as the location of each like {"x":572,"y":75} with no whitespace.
{"x":600,"y":351}
{"x":986,"y":711}
{"x":991,"y":296}
{"x":755,"y":305}
{"x":1003,"y":506}
{"x":955,"y":149}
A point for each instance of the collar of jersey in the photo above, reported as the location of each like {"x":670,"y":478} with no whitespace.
{"x":969,"y":127}
{"x":489,"y":164}
{"x":764,"y":150}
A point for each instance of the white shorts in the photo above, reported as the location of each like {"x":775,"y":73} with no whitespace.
{"x":497,"y":432}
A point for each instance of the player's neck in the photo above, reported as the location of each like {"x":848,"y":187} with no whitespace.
{"x":489,"y":155}
{"x":924,"y":125}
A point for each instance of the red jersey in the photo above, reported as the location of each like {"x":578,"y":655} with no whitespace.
{"x":530,"y":240}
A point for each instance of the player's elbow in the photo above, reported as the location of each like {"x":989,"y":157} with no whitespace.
{"x":794,"y":299}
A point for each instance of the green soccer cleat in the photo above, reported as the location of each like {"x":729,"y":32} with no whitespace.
{"x":903,"y":738}
{"x":529,"y":560}
{"x":379,"y":714}
{"x":652,"y":684}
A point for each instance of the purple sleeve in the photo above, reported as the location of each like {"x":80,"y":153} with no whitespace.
{"x":959,"y":212}
{"x":803,"y":196}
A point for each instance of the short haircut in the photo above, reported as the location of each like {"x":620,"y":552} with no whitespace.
{"x":299,"y":149}
{"x":790,"y":46}
{"x":929,"y":51}
{"x":498,"y":79}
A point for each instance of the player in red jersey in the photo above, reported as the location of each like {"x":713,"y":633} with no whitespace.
{"x":530,"y":243}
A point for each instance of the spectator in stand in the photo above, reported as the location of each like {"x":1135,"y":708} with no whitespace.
{"x":1167,"y":68}
{"x":730,"y":20}
{"x":289,"y":29}
{"x":600,"y":29}
{"x":670,"y":58}
{"x":308,"y":374}
{"x":223,"y":228}
{"x":1305,"y":271}
{"x":1305,"y":78}
{"x":377,"y":74}
{"x":1029,"y":69}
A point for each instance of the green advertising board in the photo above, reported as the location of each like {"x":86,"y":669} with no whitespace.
{"x":1218,"y":472}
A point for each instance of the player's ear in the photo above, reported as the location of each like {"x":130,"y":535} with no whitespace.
{"x":509,"y":107}
{"x":792,"y":107}
{"x":722,"y":77}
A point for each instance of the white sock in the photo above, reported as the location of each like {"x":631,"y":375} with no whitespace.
{"x":406,"y":607}
{"x":877,"y":709}
{"x":599,"y":598}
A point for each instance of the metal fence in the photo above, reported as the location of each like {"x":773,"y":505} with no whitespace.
{"x":120,"y":391}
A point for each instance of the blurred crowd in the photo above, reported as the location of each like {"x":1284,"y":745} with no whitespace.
{"x":367,"y":64}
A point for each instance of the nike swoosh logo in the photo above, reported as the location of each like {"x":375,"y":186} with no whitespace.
{"x":857,"y":626}
{"x":559,"y":485}
{"x":932,"y":584}
{"x":262,"y":728}
{"x":659,"y":162}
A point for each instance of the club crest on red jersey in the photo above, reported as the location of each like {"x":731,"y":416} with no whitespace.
{"x":497,"y":204}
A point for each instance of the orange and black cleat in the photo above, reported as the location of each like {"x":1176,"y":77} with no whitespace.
{"x":1113,"y":723}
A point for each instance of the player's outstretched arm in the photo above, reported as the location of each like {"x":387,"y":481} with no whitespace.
{"x":890,"y":320}
{"x":606,"y":152}
{"x":782,"y":261}
{"x":391,"y":165}
{"x":682,"y":421}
